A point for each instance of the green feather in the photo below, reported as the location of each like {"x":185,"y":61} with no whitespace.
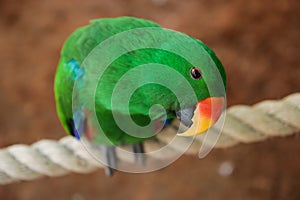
{"x":77,"y":48}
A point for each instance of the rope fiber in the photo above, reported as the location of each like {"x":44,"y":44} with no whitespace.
{"x":243,"y":124}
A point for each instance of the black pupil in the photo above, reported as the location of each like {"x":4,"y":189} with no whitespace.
{"x":195,"y":72}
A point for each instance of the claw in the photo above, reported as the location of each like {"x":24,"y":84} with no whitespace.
{"x":110,"y":159}
{"x":138,"y":150}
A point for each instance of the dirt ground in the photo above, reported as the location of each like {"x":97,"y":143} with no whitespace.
{"x":258,"y":43}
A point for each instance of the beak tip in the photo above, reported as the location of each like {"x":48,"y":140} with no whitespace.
{"x":206,"y":114}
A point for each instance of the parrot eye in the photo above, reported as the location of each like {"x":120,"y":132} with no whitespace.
{"x":196,"y":73}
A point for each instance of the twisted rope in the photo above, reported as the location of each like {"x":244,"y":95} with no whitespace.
{"x":244,"y":124}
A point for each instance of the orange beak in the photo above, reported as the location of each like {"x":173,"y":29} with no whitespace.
{"x":206,"y":114}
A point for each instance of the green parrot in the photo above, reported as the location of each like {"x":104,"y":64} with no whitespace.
{"x":75,"y":80}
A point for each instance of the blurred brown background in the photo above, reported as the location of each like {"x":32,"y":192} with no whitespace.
{"x":258,"y":43}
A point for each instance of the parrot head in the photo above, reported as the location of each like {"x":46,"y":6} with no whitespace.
{"x":209,"y":85}
{"x":199,"y":117}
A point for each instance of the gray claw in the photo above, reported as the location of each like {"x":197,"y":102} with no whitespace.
{"x":110,"y":159}
{"x":138,"y":150}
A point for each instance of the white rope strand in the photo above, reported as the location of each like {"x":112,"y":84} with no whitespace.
{"x":243,"y":124}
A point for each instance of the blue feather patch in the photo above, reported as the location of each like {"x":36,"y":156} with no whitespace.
{"x":75,"y":69}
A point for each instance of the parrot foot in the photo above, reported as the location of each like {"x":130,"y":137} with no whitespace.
{"x":138,"y":150}
{"x":110,"y":159}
